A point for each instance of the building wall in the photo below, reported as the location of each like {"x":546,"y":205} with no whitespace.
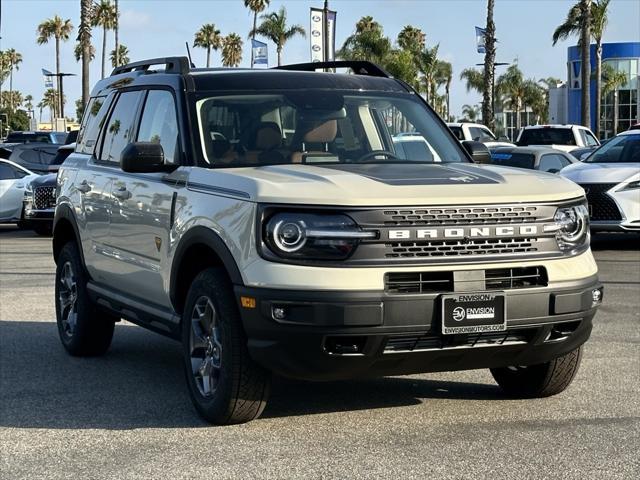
{"x":558,"y":104}
{"x":622,"y":56}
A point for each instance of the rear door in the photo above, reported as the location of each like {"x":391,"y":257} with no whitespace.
{"x":141,"y":216}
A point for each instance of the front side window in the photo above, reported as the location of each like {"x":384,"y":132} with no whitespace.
{"x":552,"y":163}
{"x":457,"y":131}
{"x":481,"y":134}
{"x":118,"y":131}
{"x":6,"y":172}
{"x":519,"y":160}
{"x":320,"y":127}
{"x":590,"y":139}
{"x":159,"y":123}
{"x":622,"y":149}
{"x":92,"y":122}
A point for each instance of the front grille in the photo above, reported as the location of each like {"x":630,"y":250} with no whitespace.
{"x":412,"y":343}
{"x":44,"y":197}
{"x":601,"y":205}
{"x":398,"y":283}
{"x":457,"y":248}
{"x":461,"y":215}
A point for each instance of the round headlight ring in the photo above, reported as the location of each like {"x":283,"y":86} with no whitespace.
{"x":574,"y":224}
{"x":289,"y":236}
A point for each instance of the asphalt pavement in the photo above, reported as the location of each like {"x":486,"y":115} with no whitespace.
{"x":127,"y":415}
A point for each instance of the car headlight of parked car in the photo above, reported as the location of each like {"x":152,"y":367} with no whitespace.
{"x":631,"y":186}
{"x":572,"y":228}
{"x":311,"y":236}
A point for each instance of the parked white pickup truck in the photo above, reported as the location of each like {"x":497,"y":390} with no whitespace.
{"x":560,"y":137}
{"x":477,"y":132}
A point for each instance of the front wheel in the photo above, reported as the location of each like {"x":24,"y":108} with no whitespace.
{"x":542,"y":380}
{"x":225,"y":384}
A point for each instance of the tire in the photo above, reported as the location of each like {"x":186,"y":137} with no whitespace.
{"x":84,"y":329}
{"x":225,"y":385}
{"x":537,"y":381}
{"x":44,"y":230}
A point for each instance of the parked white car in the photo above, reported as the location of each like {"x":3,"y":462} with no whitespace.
{"x":611,"y":178}
{"x":560,"y":137}
{"x":13,"y":181}
{"x":478,"y":133}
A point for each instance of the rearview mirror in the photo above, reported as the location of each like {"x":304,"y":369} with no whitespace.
{"x":478,"y":151}
{"x":143,"y":157}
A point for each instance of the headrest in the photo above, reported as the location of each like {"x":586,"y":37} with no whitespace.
{"x":268,"y":136}
{"x":324,"y":133}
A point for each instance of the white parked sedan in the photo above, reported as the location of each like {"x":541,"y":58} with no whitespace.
{"x":611,"y":179}
{"x":13,"y":181}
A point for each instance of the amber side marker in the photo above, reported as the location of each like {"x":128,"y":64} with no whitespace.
{"x":248,"y":302}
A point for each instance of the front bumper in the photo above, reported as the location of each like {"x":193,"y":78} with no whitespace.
{"x":340,"y":335}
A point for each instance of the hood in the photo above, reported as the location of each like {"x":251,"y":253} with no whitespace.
{"x":600,"y":172}
{"x":385,"y":184}
{"x":48,"y":180}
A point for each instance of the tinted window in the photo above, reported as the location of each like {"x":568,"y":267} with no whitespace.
{"x":520,"y":160}
{"x":22,"y":137}
{"x":6,"y":172}
{"x":457,"y":131}
{"x":159,"y":123}
{"x":552,"y":163}
{"x":547,"y":136}
{"x":92,"y":121}
{"x":622,"y":149}
{"x":119,"y":128}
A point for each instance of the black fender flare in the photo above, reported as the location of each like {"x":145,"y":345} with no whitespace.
{"x":203,"y":236}
{"x":65,"y":212}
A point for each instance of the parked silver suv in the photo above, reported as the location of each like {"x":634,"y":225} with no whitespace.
{"x":266,"y":220}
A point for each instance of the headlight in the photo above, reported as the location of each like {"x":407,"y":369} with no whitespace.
{"x":572,"y":227}
{"x":310,"y":236}
{"x":631,"y":186}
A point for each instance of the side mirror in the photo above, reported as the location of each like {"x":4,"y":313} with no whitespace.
{"x":143,"y":157}
{"x":478,"y":151}
{"x":553,"y":170}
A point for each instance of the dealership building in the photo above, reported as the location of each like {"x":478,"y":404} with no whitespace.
{"x":620,"y":106}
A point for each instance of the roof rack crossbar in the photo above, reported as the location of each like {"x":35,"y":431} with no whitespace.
{"x":179,"y":65}
{"x":359,"y":67}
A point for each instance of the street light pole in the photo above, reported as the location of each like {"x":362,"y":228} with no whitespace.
{"x":325,"y":56}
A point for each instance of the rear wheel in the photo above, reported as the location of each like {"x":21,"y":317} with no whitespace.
{"x":225,"y":384}
{"x":542,"y":380}
{"x":84,"y":329}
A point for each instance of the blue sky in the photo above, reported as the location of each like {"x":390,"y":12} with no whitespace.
{"x":153,"y":28}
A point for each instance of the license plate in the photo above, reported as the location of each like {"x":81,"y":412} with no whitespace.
{"x":473,"y":313}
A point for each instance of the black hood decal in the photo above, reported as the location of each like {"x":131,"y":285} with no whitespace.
{"x":420,"y":173}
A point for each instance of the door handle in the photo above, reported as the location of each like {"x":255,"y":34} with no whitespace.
{"x":121,"y":193}
{"x":83,"y":187}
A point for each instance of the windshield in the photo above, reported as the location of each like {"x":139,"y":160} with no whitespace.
{"x":547,"y":136}
{"x":320,"y":127}
{"x":622,"y":149}
{"x":23,"y":137}
{"x":520,"y":160}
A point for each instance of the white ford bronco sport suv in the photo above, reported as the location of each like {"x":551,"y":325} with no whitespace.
{"x":264,"y":219}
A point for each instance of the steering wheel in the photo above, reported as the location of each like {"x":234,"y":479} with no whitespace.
{"x":375,"y":153}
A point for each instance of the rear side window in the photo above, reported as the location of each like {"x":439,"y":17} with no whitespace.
{"x":119,"y":128}
{"x":160,"y":124}
{"x":481,"y":134}
{"x":589,"y":140}
{"x":92,"y":121}
{"x":519,"y":160}
{"x":457,"y":131}
{"x":547,"y":136}
{"x":552,"y":163}
{"x":6,"y":172}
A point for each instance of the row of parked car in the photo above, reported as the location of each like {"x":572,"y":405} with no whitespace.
{"x":28,"y":165}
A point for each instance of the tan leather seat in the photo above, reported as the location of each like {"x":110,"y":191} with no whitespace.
{"x":263,"y":148}
{"x":320,"y":135}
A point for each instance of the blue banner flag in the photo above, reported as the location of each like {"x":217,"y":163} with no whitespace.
{"x":48,"y":78}
{"x":480,"y":34}
{"x":260,"y":52}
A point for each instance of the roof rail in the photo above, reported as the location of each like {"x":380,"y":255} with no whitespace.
{"x":359,"y":67}
{"x":179,"y":65}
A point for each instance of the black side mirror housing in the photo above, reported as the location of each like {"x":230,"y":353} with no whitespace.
{"x":143,"y":157}
{"x":478,"y":151}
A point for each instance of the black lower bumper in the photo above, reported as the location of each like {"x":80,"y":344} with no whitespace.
{"x":341,"y":335}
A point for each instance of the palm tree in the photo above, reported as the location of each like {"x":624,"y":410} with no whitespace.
{"x":14,"y":59}
{"x":444,"y":76}
{"x":489,"y":68}
{"x":474,"y":79}
{"x":59,"y":29}
{"x":274,"y":27}
{"x":119,"y":57}
{"x":78,"y":50}
{"x":256,"y":6}
{"x":510,"y":86}
{"x":40,"y":105}
{"x":427,"y":63}
{"x":412,"y":39}
{"x":51,"y":100}
{"x":232,"y":50}
{"x":471,"y":112}
{"x":84,"y":39}
{"x":116,"y":31}
{"x":104,"y":15}
{"x":208,"y":37}
{"x":367,"y":43}
{"x":573,"y":26}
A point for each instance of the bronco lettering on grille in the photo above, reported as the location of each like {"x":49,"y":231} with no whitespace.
{"x":460,"y":232}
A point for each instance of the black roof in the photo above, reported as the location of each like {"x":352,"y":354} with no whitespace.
{"x":177,"y":73}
